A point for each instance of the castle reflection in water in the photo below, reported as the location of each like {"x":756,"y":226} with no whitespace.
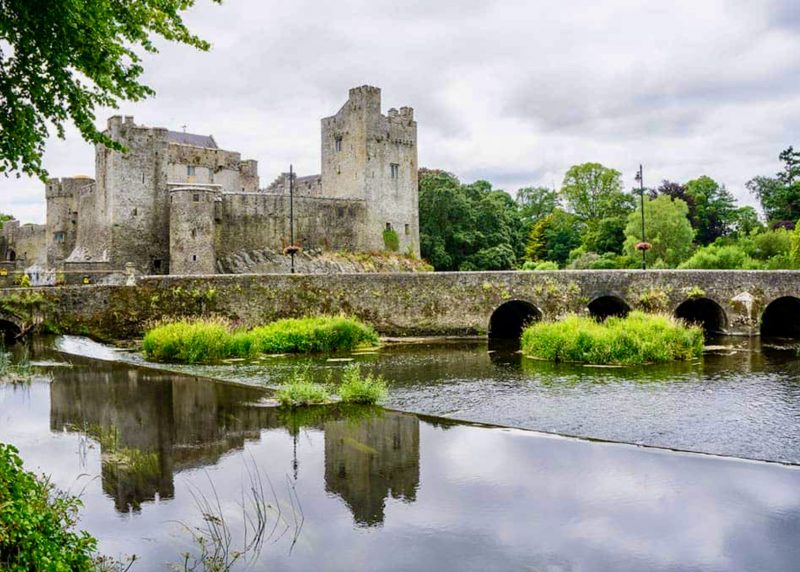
{"x":152,"y":425}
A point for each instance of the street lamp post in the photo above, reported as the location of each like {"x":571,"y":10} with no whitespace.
{"x":643,"y":244}
{"x":291,"y":215}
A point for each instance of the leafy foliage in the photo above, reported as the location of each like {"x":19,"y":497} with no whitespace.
{"x":62,"y":59}
{"x":713,"y":209}
{"x":667,"y":229}
{"x":592,"y":192}
{"x":37,"y":522}
{"x":638,"y":338}
{"x":468,"y":227}
{"x":780,"y":195}
{"x":554,"y":237}
{"x":390,"y":240}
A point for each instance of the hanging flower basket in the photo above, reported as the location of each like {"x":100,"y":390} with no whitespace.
{"x":292,"y":249}
{"x":644,"y":246}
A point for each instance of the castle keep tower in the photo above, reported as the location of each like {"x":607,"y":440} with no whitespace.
{"x":373,"y":157}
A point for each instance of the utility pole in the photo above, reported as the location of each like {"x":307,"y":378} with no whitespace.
{"x":640,"y":178}
{"x":291,"y":215}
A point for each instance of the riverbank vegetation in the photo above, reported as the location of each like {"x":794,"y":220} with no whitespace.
{"x":593,"y":222}
{"x":638,"y":338}
{"x":38,"y":522}
{"x":208,"y":340}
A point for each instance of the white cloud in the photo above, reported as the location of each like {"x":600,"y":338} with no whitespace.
{"x":511,"y":91}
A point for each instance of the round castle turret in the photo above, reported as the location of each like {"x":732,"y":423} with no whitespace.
{"x":191,"y":229}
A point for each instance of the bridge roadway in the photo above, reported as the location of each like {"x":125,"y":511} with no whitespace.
{"x":450,"y":303}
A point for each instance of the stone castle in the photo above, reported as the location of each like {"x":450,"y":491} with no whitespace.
{"x":175,"y":203}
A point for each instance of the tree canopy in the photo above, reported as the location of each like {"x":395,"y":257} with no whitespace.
{"x":61,"y":59}
{"x":780,"y":195}
{"x":592,"y":192}
{"x":667,"y":230}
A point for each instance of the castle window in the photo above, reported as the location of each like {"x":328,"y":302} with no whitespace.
{"x":338,"y":143}
{"x":196,"y":197}
{"x":340,"y":212}
{"x":190,"y":170}
{"x":388,"y":226}
{"x":194,"y":233}
{"x":194,"y":258}
{"x":156,"y":264}
{"x":395,"y":169}
{"x":58,"y":236}
{"x":408,"y":229}
{"x":135,"y":211}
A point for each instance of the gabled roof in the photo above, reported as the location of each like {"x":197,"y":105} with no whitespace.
{"x":193,"y":139}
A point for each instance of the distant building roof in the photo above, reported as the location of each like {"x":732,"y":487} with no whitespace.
{"x":193,"y":139}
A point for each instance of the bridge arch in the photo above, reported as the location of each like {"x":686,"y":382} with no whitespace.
{"x":510,"y":318}
{"x":704,"y":312}
{"x":10,"y":331}
{"x":781,"y":318}
{"x":608,"y":305}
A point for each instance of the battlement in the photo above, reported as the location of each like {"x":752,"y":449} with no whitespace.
{"x":66,"y":186}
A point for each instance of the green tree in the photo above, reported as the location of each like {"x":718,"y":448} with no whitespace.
{"x":468,"y":227}
{"x":607,"y":235}
{"x":593,"y":192}
{"x":780,"y":195}
{"x":61,"y":59}
{"x":536,"y":203}
{"x":714,"y":209}
{"x":745,"y":221}
{"x":668,"y":231}
{"x":554,"y":236}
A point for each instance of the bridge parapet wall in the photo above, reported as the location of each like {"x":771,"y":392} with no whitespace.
{"x":407,"y":304}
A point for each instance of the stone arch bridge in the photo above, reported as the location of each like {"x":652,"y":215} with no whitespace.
{"x":449,"y":303}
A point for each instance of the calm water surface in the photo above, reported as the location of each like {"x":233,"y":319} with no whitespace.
{"x":371,"y":489}
{"x":742,"y":401}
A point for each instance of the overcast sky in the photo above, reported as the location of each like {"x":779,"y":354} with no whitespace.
{"x":511,"y":91}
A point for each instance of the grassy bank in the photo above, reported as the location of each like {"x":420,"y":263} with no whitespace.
{"x":213,"y":339}
{"x":636,"y":339}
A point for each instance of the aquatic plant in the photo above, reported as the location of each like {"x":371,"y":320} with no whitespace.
{"x":638,"y":338}
{"x":189,"y":341}
{"x":216,"y":549}
{"x":38,"y":523}
{"x":212,"y":339}
{"x":300,"y":390}
{"x":16,"y":373}
{"x":311,"y":335}
{"x":357,"y":388}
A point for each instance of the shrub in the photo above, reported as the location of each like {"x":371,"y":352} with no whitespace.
{"x":356,"y":388}
{"x":211,"y":339}
{"x":390,"y":240}
{"x":37,"y":522}
{"x":637,"y":338}
{"x":544,"y":265}
{"x":301,"y":391}
{"x":715,"y":257}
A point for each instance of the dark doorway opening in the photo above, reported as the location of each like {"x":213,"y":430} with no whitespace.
{"x":782,"y":318}
{"x":606,"y":306}
{"x":703,"y":312}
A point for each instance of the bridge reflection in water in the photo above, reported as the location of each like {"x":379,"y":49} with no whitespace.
{"x":152,"y":425}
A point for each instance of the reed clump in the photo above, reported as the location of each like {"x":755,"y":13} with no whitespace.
{"x":300,"y":391}
{"x":638,"y":338}
{"x":361,"y":389}
{"x":208,"y":340}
